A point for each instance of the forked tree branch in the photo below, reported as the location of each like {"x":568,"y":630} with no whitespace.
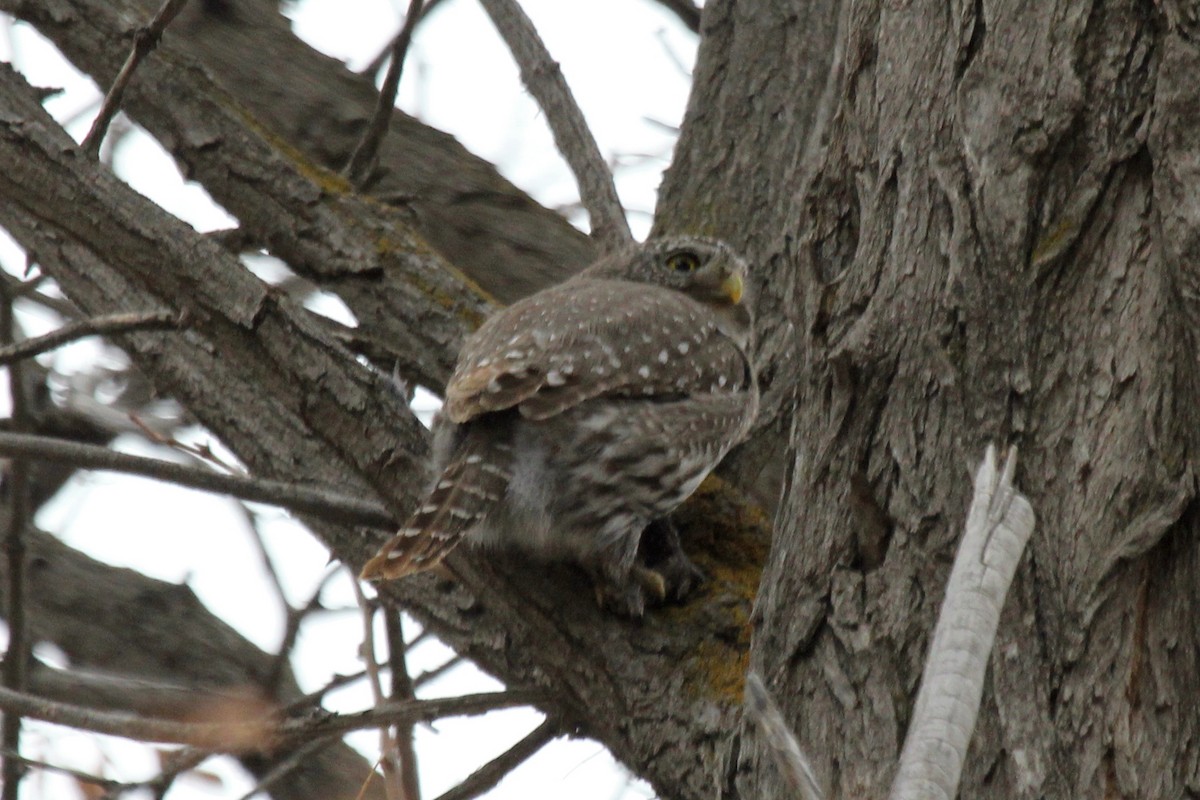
{"x":544,"y":80}
{"x":999,"y":524}
{"x":358,"y":169}
{"x":144,"y":41}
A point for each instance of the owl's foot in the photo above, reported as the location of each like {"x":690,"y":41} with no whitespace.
{"x":663,"y":553}
{"x":629,"y":597}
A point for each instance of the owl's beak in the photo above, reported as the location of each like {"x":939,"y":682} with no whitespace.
{"x":732,"y":288}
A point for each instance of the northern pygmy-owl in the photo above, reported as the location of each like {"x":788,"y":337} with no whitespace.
{"x":581,"y":414}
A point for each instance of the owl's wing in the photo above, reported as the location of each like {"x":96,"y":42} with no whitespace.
{"x":589,"y":338}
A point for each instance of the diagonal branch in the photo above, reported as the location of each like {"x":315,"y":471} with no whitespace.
{"x":999,"y":524}
{"x":95,"y":326}
{"x":257,"y":734}
{"x":358,"y":170}
{"x":144,"y":41}
{"x":544,"y":80}
{"x":491,"y":773}
{"x":687,"y":11}
{"x":785,"y":750}
{"x":319,"y":503}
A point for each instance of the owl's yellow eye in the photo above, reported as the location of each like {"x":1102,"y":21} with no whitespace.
{"x":683,"y":261}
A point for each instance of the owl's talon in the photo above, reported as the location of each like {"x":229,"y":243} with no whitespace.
{"x":661,"y":549}
{"x":652,"y":582}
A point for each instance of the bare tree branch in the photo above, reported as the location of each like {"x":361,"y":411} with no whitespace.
{"x":998,"y":526}
{"x":107,"y":784}
{"x":258,"y":734}
{"x":362,"y":160}
{"x":388,"y":755}
{"x":401,"y":689}
{"x":16,"y":656}
{"x":494,"y":771}
{"x":317,"y":502}
{"x":687,"y":11}
{"x":96,"y":326}
{"x":544,"y":80}
{"x":144,"y":41}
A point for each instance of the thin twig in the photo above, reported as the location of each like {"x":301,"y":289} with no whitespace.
{"x":687,"y":11}
{"x":178,"y":762}
{"x":16,"y":657}
{"x":144,"y":41}
{"x":108,"y":784}
{"x":494,"y":771}
{"x":778,"y":737}
{"x":317,"y":502}
{"x":259,"y":734}
{"x":402,"y":689}
{"x":313,"y":699}
{"x":431,"y":674}
{"x":375,"y":64}
{"x":95,"y":326}
{"x":388,"y":756}
{"x":363,"y":158}
{"x":544,"y":80}
{"x":295,"y":618}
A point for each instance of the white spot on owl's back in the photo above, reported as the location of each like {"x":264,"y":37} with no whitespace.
{"x":663,"y":356}
{"x":683,"y":348}
{"x":644,"y":371}
{"x":555,"y":378}
{"x":474,"y":459}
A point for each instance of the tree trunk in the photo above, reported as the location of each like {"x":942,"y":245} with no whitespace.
{"x":999,"y":242}
{"x":971,"y":221}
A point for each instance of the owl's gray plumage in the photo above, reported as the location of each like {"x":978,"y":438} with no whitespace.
{"x":579,"y":415}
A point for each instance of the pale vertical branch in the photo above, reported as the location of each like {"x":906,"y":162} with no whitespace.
{"x":544,"y":80}
{"x":999,"y":524}
{"x":16,"y":491}
{"x":144,"y":41}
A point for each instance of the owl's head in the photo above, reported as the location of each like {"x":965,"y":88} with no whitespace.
{"x":707,"y":270}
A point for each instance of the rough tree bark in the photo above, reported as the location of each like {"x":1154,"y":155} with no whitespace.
{"x":973,"y":168}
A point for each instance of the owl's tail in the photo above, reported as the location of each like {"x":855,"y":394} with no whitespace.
{"x":472,"y":483}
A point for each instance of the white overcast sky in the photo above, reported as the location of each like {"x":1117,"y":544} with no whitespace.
{"x":628,"y":63}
